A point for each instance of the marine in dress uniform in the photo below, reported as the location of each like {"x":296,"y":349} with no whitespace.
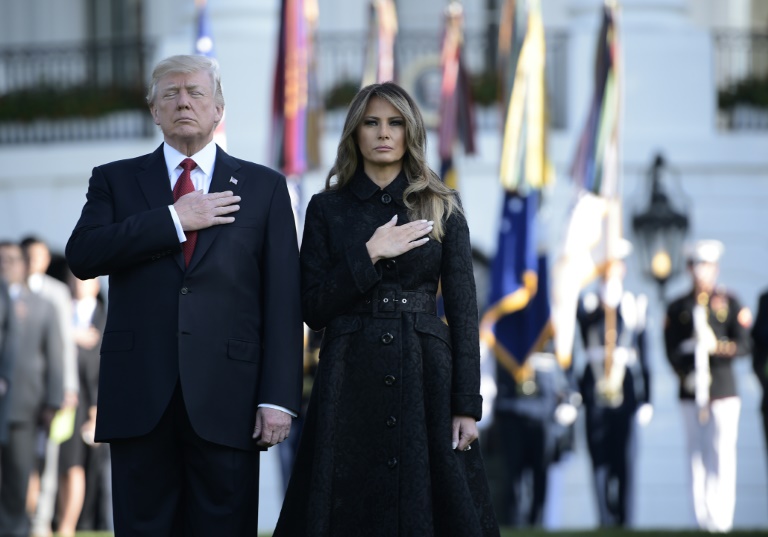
{"x":704,"y":331}
{"x":615,"y":388}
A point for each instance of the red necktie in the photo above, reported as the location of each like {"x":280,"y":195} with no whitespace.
{"x":184,"y":186}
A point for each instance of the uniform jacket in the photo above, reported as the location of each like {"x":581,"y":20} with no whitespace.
{"x":631,"y":337}
{"x":375,"y":457}
{"x":760,"y":347}
{"x":228,"y":327}
{"x":727,"y":325}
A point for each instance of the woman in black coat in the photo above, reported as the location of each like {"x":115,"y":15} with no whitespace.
{"x":389,"y":444}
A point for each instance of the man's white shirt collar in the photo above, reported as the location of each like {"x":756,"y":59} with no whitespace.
{"x":205,"y":159}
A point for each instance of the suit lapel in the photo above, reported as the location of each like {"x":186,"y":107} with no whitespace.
{"x":154,"y":183}
{"x":224,"y":170}
{"x":153,"y":180}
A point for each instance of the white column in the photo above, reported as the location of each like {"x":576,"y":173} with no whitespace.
{"x":245,"y":35}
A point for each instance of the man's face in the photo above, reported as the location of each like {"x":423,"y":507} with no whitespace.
{"x":185,"y":109}
{"x":39,"y":258}
{"x":705,"y":275}
{"x":13,"y":268}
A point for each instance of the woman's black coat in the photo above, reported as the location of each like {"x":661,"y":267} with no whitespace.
{"x":375,"y":456}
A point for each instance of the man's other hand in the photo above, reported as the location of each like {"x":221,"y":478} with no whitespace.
{"x":272,"y":426}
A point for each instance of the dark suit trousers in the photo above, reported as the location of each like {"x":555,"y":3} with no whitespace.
{"x":172,"y":483}
{"x":610,"y":437}
{"x":17,"y":459}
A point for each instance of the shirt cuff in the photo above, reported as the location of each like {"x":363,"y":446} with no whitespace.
{"x":276,"y":407}
{"x":177,"y":224}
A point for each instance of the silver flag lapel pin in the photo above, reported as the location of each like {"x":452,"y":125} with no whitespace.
{"x":233,"y":180}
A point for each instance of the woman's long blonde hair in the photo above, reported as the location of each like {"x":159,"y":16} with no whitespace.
{"x":426,"y":196}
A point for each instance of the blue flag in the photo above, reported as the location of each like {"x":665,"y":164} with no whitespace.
{"x":204,"y":38}
{"x":516,"y":323}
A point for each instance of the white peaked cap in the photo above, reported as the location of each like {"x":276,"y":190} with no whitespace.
{"x":620,"y":248}
{"x":706,"y":251}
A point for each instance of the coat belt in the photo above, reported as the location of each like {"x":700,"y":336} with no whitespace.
{"x":390,"y":303}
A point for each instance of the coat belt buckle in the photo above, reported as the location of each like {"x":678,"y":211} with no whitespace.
{"x":385,"y":303}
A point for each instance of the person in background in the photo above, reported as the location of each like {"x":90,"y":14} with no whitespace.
{"x":760,"y":356}
{"x":7,"y":355}
{"x":389,"y":441}
{"x":533,"y":418}
{"x":80,"y":452}
{"x":201,"y":354}
{"x":614,"y":386}
{"x":43,"y":504}
{"x":35,"y":391}
{"x":704,"y":331}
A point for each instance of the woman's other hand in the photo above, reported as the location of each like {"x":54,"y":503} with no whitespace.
{"x":464,"y":432}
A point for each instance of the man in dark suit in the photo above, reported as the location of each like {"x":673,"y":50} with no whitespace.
{"x":760,"y":356}
{"x":201,"y":356}
{"x":36,"y":389}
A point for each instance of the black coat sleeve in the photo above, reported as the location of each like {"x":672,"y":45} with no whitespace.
{"x":460,"y":302}
{"x":325,"y":281}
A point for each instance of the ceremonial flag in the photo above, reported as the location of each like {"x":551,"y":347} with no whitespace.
{"x":456,"y":110}
{"x":524,"y":164}
{"x":295,"y":104}
{"x":517,"y":322}
{"x":204,"y":47}
{"x":380,"y":49}
{"x":594,"y":228}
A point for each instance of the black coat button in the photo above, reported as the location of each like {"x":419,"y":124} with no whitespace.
{"x":391,"y":421}
{"x":184,"y":290}
{"x":387,"y":338}
{"x":386,"y":198}
{"x":390,"y":264}
{"x":389,"y":380}
{"x":392,"y":462}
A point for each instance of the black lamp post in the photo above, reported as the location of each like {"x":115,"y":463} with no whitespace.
{"x":660,"y":231}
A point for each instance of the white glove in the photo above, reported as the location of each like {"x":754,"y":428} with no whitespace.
{"x":565,"y":414}
{"x":644,"y":414}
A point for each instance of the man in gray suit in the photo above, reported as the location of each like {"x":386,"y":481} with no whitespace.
{"x":7,"y":353}
{"x":36,"y":389}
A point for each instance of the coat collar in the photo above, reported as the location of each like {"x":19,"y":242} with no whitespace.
{"x":364,"y":188}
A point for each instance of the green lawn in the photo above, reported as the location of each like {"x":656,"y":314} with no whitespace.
{"x":597,"y":533}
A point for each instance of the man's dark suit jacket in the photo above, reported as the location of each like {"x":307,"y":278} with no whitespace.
{"x":228,"y":327}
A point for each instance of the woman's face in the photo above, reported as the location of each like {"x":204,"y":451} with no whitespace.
{"x":381,"y":135}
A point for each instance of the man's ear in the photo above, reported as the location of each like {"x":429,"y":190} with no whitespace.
{"x":153,"y":111}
